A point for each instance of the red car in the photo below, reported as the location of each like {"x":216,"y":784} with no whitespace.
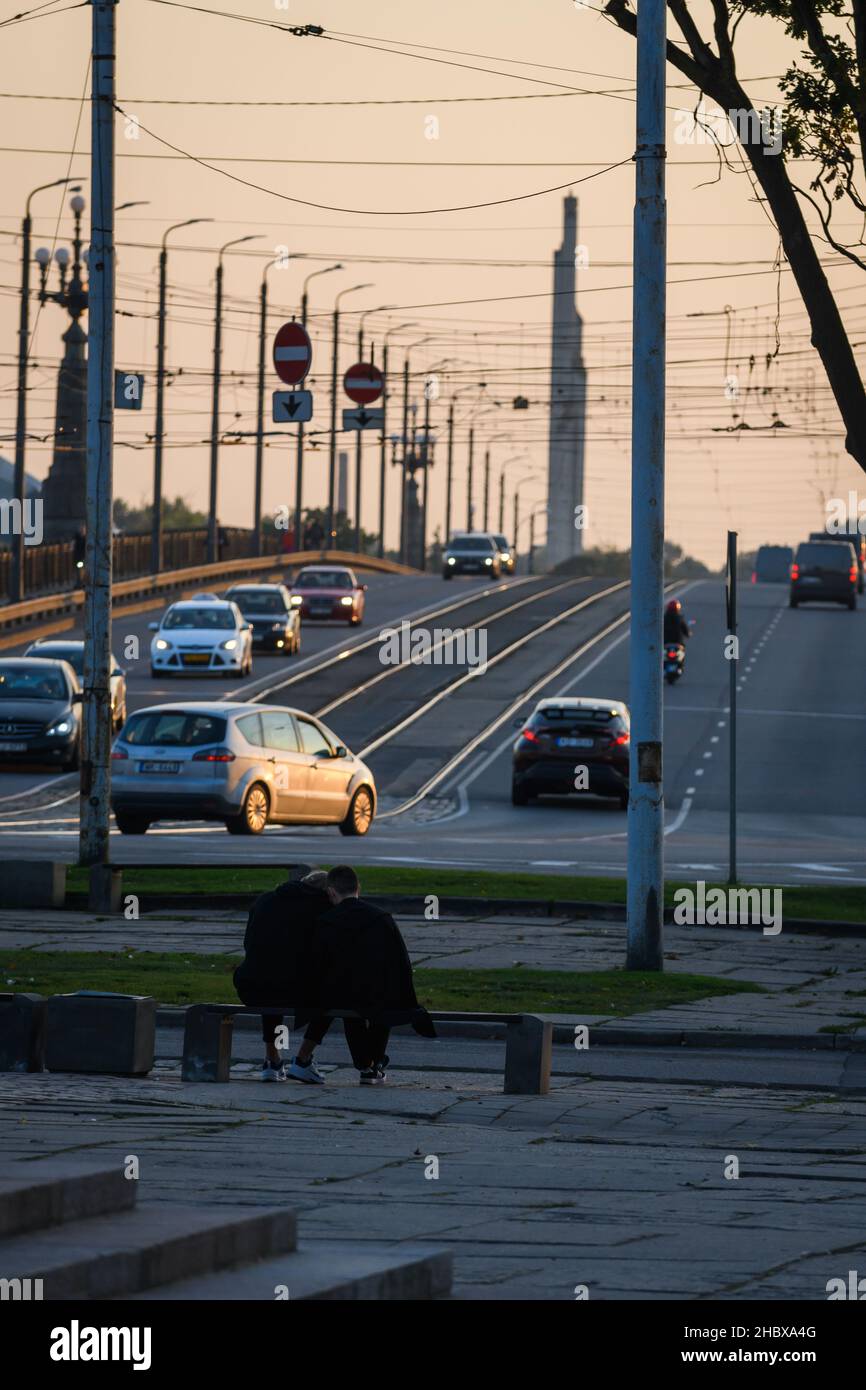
{"x":326,"y":593}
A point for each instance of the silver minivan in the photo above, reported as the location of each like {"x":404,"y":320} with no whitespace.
{"x":243,"y":764}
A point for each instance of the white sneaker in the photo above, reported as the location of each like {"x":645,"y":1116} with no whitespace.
{"x":270,"y":1073}
{"x":309,"y":1073}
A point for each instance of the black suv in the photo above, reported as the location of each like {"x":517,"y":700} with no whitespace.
{"x":852,"y":538}
{"x":564,"y":736}
{"x":824,"y":571}
{"x":268,"y":609}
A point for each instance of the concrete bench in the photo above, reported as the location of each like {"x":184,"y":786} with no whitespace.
{"x":207,"y":1042}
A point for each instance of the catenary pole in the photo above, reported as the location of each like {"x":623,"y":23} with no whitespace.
{"x":646,"y":801}
{"x":95,"y":784}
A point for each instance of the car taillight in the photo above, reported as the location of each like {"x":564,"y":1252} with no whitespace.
{"x":672,"y":651}
{"x":852,"y":574}
{"x":530,"y":735}
{"x":214,"y":755}
{"x":119,"y":753}
{"x":795,"y":571}
{"x":754,"y":577}
{"x":622,"y":738}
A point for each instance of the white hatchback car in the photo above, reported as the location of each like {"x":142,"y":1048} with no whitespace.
{"x":200,"y":635}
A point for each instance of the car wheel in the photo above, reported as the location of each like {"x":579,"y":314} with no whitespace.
{"x":359,"y":817}
{"x":519,"y":795}
{"x":131,"y":825}
{"x":254,"y":813}
{"x":792,"y":603}
{"x":670,"y":677}
{"x":623,"y":801}
{"x":446,"y":574}
{"x":71,"y":764}
{"x":852,"y":602}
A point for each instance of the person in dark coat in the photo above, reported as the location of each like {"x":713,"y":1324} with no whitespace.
{"x":275,"y":968}
{"x":359,"y":961}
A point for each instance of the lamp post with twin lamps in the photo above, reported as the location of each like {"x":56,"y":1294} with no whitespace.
{"x":299,"y":455}
{"x":64,"y":490}
{"x":16,"y":585}
{"x":212,"y":547}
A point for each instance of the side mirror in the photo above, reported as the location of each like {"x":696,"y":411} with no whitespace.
{"x":341,"y":751}
{"x":364,"y":587}
{"x":118,"y":671}
{"x":153,"y":627}
{"x":78,"y":697}
{"x":247,"y":627}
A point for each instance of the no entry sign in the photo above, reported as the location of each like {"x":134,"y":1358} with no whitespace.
{"x":293,"y":353}
{"x":363,"y":383}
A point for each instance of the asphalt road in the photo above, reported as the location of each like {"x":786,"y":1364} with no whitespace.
{"x":801,"y":726}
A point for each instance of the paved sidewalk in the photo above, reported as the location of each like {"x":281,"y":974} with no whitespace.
{"x":815,"y":985}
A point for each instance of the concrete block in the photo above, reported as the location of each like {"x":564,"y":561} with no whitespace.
{"x":528,"y":1054}
{"x":94,"y":1032}
{"x":105,"y":889}
{"x":33,"y":883}
{"x":22,"y":1032}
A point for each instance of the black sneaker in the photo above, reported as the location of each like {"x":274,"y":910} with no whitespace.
{"x":375,"y":1075}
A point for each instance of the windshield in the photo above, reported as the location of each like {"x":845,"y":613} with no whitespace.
{"x":472,"y":543}
{"x":36,"y":682}
{"x":259,"y":601}
{"x":323,"y":579}
{"x":827,"y":555}
{"x":74,"y":655}
{"x":216,"y":616}
{"x":174,"y":729}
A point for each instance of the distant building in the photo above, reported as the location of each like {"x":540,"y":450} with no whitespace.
{"x":567,"y":401}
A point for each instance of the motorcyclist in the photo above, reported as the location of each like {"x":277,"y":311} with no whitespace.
{"x":676,"y":629}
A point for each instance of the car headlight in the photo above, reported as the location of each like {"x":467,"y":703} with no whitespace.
{"x":63,"y":726}
{"x":297,"y":600}
{"x":161,"y":644}
{"x":488,"y":560}
{"x":451,"y":560}
{"x":230,"y":645}
{"x":347,"y":602}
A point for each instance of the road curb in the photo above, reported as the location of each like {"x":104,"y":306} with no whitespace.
{"x":412,"y":906}
{"x":605,"y":1035}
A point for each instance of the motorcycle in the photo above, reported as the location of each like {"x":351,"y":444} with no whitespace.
{"x":675,"y":661}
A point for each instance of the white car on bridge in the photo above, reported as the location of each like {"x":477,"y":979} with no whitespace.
{"x":202,"y":634}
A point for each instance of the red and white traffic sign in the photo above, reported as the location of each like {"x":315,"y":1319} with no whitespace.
{"x":293,"y":353}
{"x":363,"y":383}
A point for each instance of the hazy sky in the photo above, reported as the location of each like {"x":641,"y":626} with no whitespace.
{"x":477,"y":280}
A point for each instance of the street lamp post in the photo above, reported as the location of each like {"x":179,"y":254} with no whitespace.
{"x":358,"y":441}
{"x":332,"y":452}
{"x":299,"y":456}
{"x":16,"y":586}
{"x":528,"y":478}
{"x":212,"y":548}
{"x":514,"y":458}
{"x":159,"y":430}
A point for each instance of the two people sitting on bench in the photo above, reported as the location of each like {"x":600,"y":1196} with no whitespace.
{"x":318,"y":943}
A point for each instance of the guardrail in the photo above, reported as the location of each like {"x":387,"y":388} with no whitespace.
{"x":153,"y":585}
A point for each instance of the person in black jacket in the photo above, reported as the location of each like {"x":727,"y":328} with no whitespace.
{"x":275,"y":968}
{"x":676,"y":628}
{"x":359,"y":961}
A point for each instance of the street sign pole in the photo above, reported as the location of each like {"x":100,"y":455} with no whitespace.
{"x":646,"y":799}
{"x":732,"y":742}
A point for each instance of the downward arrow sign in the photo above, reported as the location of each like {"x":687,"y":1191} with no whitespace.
{"x":292,"y":406}
{"x":363,"y":417}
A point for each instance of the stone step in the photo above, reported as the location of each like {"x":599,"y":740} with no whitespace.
{"x":34,"y":1196}
{"x":325,"y":1270}
{"x":156,"y":1243}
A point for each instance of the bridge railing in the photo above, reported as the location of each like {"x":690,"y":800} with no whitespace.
{"x":168,"y":582}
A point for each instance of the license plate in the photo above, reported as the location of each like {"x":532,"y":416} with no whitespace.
{"x":13,"y":747}
{"x":575,"y":742}
{"x":196,"y":658}
{"x":320,"y":610}
{"x":158,"y":767}
{"x":810,"y":579}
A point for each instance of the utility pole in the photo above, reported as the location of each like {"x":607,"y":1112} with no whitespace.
{"x":486,"y":487}
{"x":95,"y":786}
{"x":212,"y":547}
{"x":332,"y":452}
{"x":380,"y":549}
{"x":260,"y":414}
{"x":404,"y":469}
{"x":450,"y":471}
{"x":159,"y":430}
{"x":427,"y":457}
{"x":469,"y":479}
{"x":646,"y":800}
{"x":733,"y":658}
